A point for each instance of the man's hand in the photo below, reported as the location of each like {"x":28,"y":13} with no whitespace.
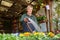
{"x":25,"y":19}
{"x":34,"y":31}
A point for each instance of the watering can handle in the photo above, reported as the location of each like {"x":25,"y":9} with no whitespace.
{"x":29,"y":28}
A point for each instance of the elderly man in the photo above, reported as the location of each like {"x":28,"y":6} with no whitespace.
{"x":24,"y":19}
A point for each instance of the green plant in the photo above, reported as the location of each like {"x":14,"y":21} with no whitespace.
{"x":40,"y":18}
{"x":58,"y":9}
{"x":31,"y":36}
{"x":40,"y":2}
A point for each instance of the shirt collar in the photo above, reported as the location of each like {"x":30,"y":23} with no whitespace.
{"x":29,"y":16}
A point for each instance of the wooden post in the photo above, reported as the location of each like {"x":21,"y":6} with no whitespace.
{"x":46,"y":19}
{"x":50,"y":16}
{"x":46,"y":13}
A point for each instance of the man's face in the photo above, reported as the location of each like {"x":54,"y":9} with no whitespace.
{"x":29,"y":10}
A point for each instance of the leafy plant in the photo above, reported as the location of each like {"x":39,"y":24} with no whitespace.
{"x":40,"y":2}
{"x":40,"y":18}
{"x":30,"y":36}
{"x":58,"y":9}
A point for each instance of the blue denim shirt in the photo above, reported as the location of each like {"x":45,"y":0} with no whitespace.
{"x":25,"y":28}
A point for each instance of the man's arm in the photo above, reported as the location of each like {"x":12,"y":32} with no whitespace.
{"x":23,"y":18}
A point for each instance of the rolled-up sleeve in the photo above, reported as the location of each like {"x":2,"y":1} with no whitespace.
{"x":22,"y":18}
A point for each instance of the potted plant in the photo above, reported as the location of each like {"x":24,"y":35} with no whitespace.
{"x":41,"y":19}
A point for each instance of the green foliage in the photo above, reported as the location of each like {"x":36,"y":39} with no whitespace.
{"x":58,"y":9}
{"x":40,"y":18}
{"x":58,"y":35}
{"x":55,"y":20}
{"x":40,"y":1}
{"x":31,"y":37}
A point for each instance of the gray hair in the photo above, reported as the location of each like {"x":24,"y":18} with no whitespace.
{"x":30,"y":6}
